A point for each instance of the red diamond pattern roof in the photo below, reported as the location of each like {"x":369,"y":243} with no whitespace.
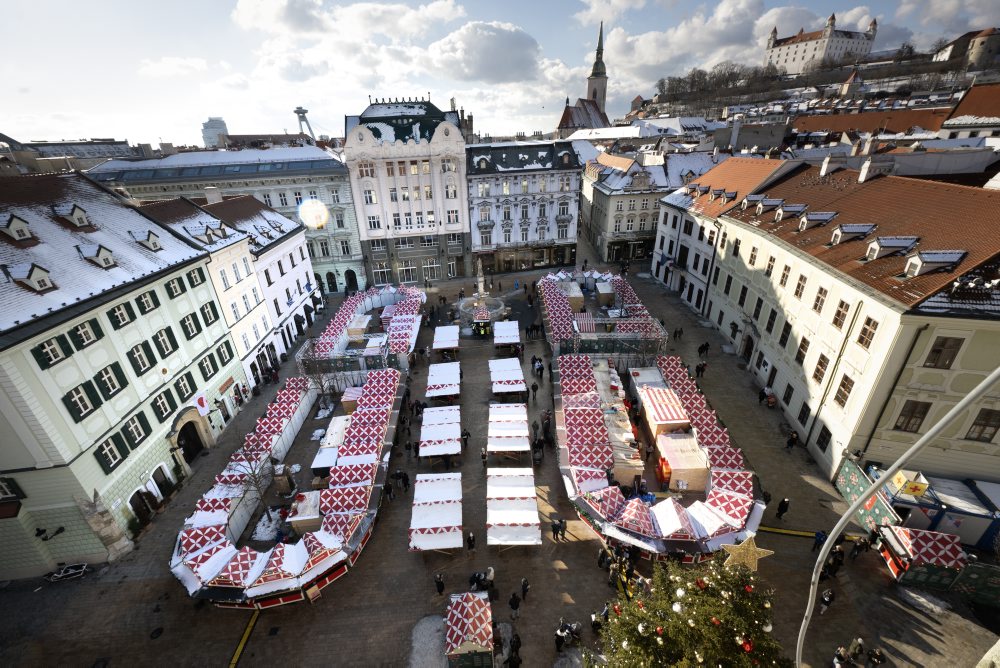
{"x":469,"y":620}
{"x":591,"y":456}
{"x":352,"y":474}
{"x":196,"y":538}
{"x":608,"y":502}
{"x":931,"y":547}
{"x":724,"y":457}
{"x":234,"y":574}
{"x":736,"y":506}
{"x":344,"y":499}
{"x":740,"y":482}
{"x":342,"y":525}
{"x":636,"y":518}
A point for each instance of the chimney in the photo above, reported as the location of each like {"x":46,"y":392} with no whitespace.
{"x":213,"y":195}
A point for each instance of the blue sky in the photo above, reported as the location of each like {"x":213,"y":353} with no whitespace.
{"x":152,"y":71}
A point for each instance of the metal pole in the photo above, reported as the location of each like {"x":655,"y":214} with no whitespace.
{"x":922,"y":442}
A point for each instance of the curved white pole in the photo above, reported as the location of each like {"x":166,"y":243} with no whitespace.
{"x":824,"y":551}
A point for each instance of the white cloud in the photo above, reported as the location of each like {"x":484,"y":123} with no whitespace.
{"x":490,"y":52}
{"x":171,"y":66}
{"x":951,"y":17}
{"x":595,"y":11}
{"x":359,"y":19}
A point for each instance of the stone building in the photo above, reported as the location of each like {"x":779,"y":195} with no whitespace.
{"x":117,"y":369}
{"x":798,"y":53}
{"x":523,"y":200}
{"x":407,"y":168}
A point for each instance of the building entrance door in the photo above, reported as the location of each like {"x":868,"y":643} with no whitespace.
{"x":190,"y":442}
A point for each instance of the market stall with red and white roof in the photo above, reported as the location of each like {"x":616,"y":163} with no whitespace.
{"x":441,"y":415}
{"x":436,"y":520}
{"x":506,"y":376}
{"x":512,"y":507}
{"x":506,"y":333}
{"x":444,"y":380}
{"x":917,"y":555}
{"x":468,"y":629}
{"x":446,"y":338}
{"x":507,"y":429}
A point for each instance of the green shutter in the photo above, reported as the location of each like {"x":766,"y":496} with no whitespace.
{"x":214,"y":310}
{"x":93,"y":394}
{"x":122,"y":446}
{"x":106,"y":465}
{"x":75,"y":338}
{"x":120,"y":376}
{"x":71,"y":407}
{"x":132,"y":360}
{"x":130,"y":310}
{"x":171,"y":400}
{"x":95,"y":326}
{"x":14,"y":488}
{"x":65,"y":345}
{"x":159,"y":347}
{"x":40,"y":357}
{"x":190,"y":380}
{"x":113,"y":319}
{"x":201,"y":275}
{"x":172,"y":339}
{"x":155,"y":298}
{"x":149,"y":353}
{"x":100,"y":386}
{"x":127,"y":435}
{"x":144,"y":421}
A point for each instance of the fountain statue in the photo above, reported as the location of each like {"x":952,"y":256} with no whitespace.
{"x":480,"y":306}
{"x":480,"y":279}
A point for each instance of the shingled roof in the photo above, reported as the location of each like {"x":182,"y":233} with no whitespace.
{"x":738,"y":177}
{"x":942,"y":217}
{"x":873,"y":121}
{"x":522,"y":156}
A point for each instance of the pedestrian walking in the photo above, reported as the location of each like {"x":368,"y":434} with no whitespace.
{"x":793,"y":439}
{"x":406,"y":481}
{"x":818,"y":539}
{"x":515,"y":606}
{"x":826,"y":600}
{"x":465,"y":438}
{"x":439,"y":583}
{"x":782,"y":508}
{"x":515,"y":646}
{"x":534,"y":426}
{"x":485,"y":457}
{"x":398,"y":477}
{"x":409,"y":449}
{"x":470,"y":543}
{"x":555,"y":530}
{"x":525,"y":587}
{"x":562,"y":529}
{"x":534,"y":391}
{"x":649,"y":450}
{"x":761,"y":396}
{"x":499,"y":286}
{"x":390,"y":493}
{"x":860,"y":545}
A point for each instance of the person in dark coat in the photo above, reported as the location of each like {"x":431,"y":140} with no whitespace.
{"x":515,"y":606}
{"x":555,"y":529}
{"x":826,"y":600}
{"x":782,"y":508}
{"x":406,"y":481}
{"x":465,"y":438}
{"x":470,"y":543}
{"x":525,"y":587}
{"x":439,"y":583}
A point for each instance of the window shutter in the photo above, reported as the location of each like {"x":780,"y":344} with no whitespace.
{"x":229,"y":350}
{"x":190,"y":381}
{"x":71,"y":407}
{"x":127,"y":435}
{"x":214,"y":310}
{"x":144,"y":421}
{"x":40,"y":357}
{"x":113,"y":319}
{"x":159,"y":346}
{"x":171,"y":400}
{"x":155,"y":298}
{"x":201,"y":275}
{"x":149,"y":353}
{"x":131,"y":311}
{"x":95,"y":326}
{"x":105,"y":392}
{"x":160,"y":415}
{"x":102,"y":459}
{"x":65,"y":345}
{"x":75,"y":338}
{"x":14,"y":488}
{"x":173,"y":340}
{"x":93,"y":394}
{"x":122,"y":446}
{"x":132,"y":360}
{"x":119,"y":375}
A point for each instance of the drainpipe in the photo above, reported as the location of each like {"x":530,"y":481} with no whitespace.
{"x":711,"y":267}
{"x":833,"y":372}
{"x":895,"y":381}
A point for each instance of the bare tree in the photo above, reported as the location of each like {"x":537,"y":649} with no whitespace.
{"x":904,"y":52}
{"x":315,"y":367}
{"x":257,"y":474}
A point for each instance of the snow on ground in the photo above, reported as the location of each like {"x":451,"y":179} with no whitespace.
{"x":323,"y":413}
{"x":267,"y":529}
{"x":427,"y":644}
{"x":318,"y":434}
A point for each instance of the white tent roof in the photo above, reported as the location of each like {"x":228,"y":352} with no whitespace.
{"x":335,"y":431}
{"x":507,"y":429}
{"x":513,"y":483}
{"x":442,"y":415}
{"x":507,"y":376}
{"x":507,"y":413}
{"x":436,"y":526}
{"x":508,"y":444}
{"x":506,"y":332}
{"x":446,"y":337}
{"x":441,"y":432}
{"x":436,"y":487}
{"x":443,"y":379}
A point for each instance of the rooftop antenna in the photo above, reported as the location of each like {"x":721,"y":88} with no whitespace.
{"x":304,"y":122}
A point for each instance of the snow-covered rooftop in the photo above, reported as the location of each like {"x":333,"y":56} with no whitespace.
{"x":76,"y":279}
{"x":199,"y":158}
{"x":190,"y":221}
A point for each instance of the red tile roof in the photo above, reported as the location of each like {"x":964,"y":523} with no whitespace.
{"x":740,"y":175}
{"x":943,"y":216}
{"x":982,"y":100}
{"x":800,"y":37}
{"x":873,"y":121}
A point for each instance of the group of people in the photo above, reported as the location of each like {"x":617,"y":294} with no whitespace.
{"x":533,"y":331}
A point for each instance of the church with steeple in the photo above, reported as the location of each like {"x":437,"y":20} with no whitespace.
{"x":588,"y":112}
{"x":805,"y":50}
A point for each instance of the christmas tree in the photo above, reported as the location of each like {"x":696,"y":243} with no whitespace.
{"x":706,"y":615}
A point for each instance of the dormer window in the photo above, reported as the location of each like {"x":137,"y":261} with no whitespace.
{"x":97,"y":254}
{"x":926,"y":261}
{"x":152,"y":242}
{"x":32,"y":276}
{"x":17,"y":228}
{"x":883,"y":246}
{"x":850,"y":231}
{"x":815,"y":218}
{"x":73,"y":213}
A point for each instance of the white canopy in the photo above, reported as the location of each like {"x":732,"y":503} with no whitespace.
{"x":324,"y":459}
{"x":442,"y":415}
{"x":437,"y":487}
{"x":508,"y":427}
{"x":440,"y":439}
{"x":512,"y":507}
{"x":507,"y":413}
{"x":507,"y":376}
{"x":446,"y":337}
{"x":334,"y":435}
{"x":506,"y":332}
{"x":443,"y":379}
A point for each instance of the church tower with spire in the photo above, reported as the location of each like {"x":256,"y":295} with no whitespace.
{"x":597,"y":82}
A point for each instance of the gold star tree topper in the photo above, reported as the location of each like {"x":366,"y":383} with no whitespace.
{"x":746,"y":553}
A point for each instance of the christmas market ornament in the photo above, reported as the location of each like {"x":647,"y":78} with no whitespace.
{"x":767,"y":627}
{"x":641,"y":605}
{"x":680,"y":592}
{"x":701,"y":583}
{"x":690,"y":622}
{"x":746,"y":553}
{"x":624,"y":644}
{"x":715,"y":620}
{"x":641,"y":628}
{"x":698,"y":656}
{"x":748,"y":588}
{"x":659,"y":630}
{"x":618,"y":610}
{"x":747,"y":646}
{"x":676,"y":607}
{"x":659,"y":641}
{"x":767,"y":604}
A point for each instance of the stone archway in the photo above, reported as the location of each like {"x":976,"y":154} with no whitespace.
{"x":202,"y":430}
{"x":352,"y":280}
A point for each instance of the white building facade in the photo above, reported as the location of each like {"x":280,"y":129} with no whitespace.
{"x":524,"y":200}
{"x":306,"y":184}
{"x":107,"y":395}
{"x":867,"y":323}
{"x":407,"y":169}
{"x":800,"y":52}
